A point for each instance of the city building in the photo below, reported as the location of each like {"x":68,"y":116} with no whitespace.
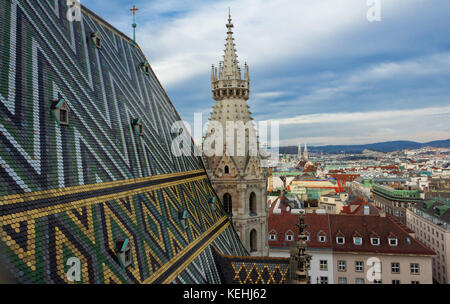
{"x":237,"y":175}
{"x":343,"y":247}
{"x":431,"y":222}
{"x":395,"y":201}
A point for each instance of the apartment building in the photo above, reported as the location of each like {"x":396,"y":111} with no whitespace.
{"x":431,"y":222}
{"x":361,"y":242}
{"x":395,"y":201}
{"x":344,"y":248}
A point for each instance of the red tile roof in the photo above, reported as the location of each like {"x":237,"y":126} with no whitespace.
{"x":373,"y":225}
{"x":347,"y":226}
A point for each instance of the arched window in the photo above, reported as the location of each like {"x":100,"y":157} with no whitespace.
{"x":227,"y":170}
{"x":227,"y":204}
{"x":252,"y":202}
{"x":253,"y":241}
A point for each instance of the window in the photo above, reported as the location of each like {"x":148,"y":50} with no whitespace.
{"x":393,"y":241}
{"x":375,"y":241}
{"x":395,"y":282}
{"x":97,"y":40}
{"x":252,"y":201}
{"x":414,"y":268}
{"x":60,"y":110}
{"x":138,"y":126}
{"x":289,"y":237}
{"x":272,"y":237}
{"x":342,"y":280}
{"x":227,"y":204}
{"x":128,"y":256}
{"x":359,"y":266}
{"x":359,"y":281}
{"x":182,"y":217}
{"x":227,"y":170}
{"x":342,"y":266}
{"x":323,"y":265}
{"x":357,"y":240}
{"x":322,"y":238}
{"x":415,"y":282}
{"x":323,"y":280}
{"x":395,"y":267}
{"x":340,"y":240}
{"x":253,"y":241}
{"x":145,"y":67}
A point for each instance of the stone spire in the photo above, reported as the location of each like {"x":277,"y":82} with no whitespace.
{"x":305,"y":153}
{"x":228,"y":83}
{"x":299,"y":153}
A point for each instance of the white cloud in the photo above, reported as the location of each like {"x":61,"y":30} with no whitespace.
{"x":355,"y":117}
{"x":266,"y":32}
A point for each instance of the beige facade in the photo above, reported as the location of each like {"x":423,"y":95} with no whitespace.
{"x":332,"y":204}
{"x":435,"y":237}
{"x":395,"y":269}
{"x":233,"y":162}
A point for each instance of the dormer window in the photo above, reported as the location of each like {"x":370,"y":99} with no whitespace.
{"x":96,"y":38}
{"x":289,"y":236}
{"x":60,"y":111}
{"x":145,"y":67}
{"x":138,"y":126}
{"x":123,"y":253}
{"x":307,"y":237}
{"x":375,"y":241}
{"x":182,"y":217}
{"x":340,"y":240}
{"x":357,"y":240}
{"x":393,"y":241}
{"x":227,"y":170}
{"x":272,"y":237}
{"x":322,"y":237}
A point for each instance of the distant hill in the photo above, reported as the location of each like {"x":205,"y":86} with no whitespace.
{"x":388,"y":146}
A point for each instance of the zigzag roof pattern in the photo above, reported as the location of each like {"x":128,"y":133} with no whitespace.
{"x":74,"y":190}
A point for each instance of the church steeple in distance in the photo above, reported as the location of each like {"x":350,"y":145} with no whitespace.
{"x":227,"y":81}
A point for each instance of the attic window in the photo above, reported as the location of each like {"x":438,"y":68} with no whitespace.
{"x":123,"y":252}
{"x":227,"y":170}
{"x":375,"y":241}
{"x":61,"y":111}
{"x":138,"y":126}
{"x":357,"y":240}
{"x":145,"y":67}
{"x":322,"y":237}
{"x":213,"y":204}
{"x":340,"y":240}
{"x":393,"y":241}
{"x":272,"y":236}
{"x":96,"y":38}
{"x":182,"y":217}
{"x":289,"y":237}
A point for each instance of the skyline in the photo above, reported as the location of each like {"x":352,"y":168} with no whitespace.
{"x":347,"y":81}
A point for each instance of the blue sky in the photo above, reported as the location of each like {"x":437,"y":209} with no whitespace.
{"x":319,"y":67}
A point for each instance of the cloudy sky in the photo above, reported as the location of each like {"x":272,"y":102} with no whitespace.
{"x":319,"y":67}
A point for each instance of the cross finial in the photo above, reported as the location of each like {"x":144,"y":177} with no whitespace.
{"x":134,"y":9}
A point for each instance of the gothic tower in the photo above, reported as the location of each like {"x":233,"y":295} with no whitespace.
{"x":234,"y":165}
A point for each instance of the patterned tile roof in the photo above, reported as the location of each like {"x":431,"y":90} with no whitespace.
{"x":72,"y":190}
{"x":252,"y":270}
